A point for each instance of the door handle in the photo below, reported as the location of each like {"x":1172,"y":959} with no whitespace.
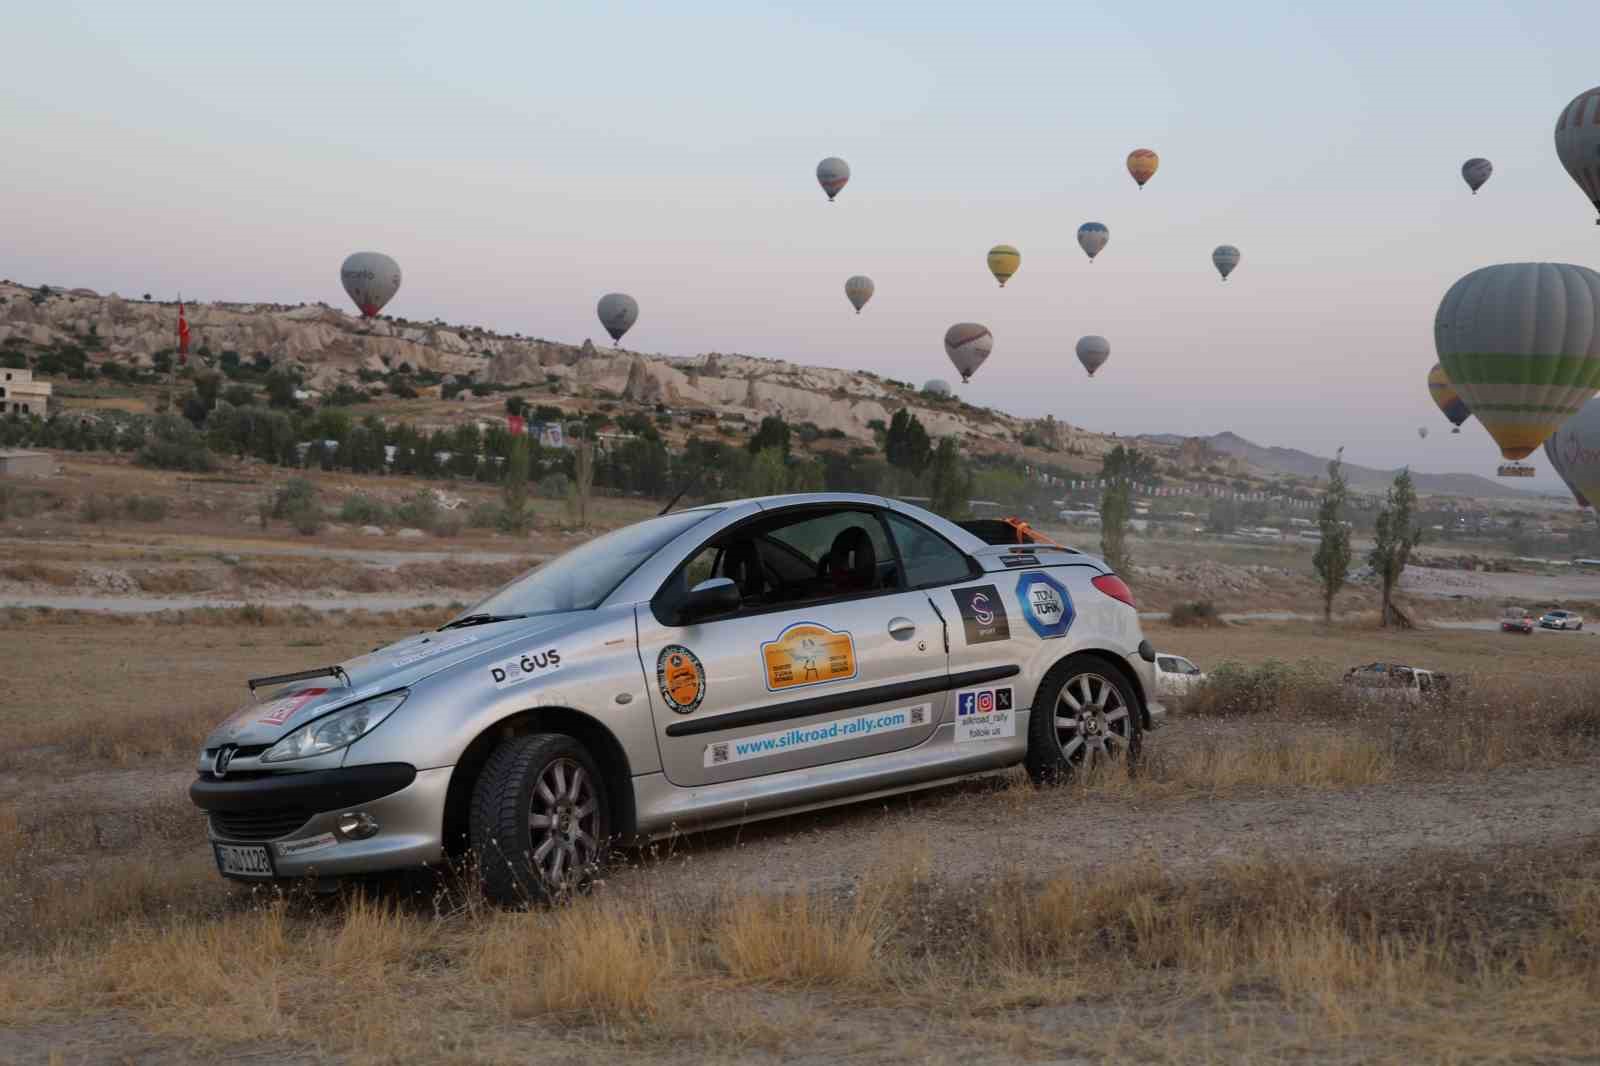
{"x":902,"y":628}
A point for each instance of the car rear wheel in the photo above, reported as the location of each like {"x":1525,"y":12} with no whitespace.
{"x":540,"y":819}
{"x":1084,"y":715}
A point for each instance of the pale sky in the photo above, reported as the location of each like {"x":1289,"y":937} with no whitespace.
{"x":522,"y":159}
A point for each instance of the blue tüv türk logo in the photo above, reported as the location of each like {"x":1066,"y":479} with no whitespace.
{"x":1046,"y":604}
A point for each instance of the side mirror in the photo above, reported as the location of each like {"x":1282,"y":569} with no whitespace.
{"x":716,"y":595}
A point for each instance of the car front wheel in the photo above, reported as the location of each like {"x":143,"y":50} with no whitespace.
{"x":540,"y":819}
{"x":1084,"y":715}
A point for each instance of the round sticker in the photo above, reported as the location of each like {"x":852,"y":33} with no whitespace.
{"x":681,"y":677}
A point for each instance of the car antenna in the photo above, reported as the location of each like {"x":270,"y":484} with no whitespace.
{"x":687,"y":485}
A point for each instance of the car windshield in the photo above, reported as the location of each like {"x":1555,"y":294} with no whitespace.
{"x":582,"y":578}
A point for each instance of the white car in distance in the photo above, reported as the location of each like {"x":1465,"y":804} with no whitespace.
{"x":1176,"y":677}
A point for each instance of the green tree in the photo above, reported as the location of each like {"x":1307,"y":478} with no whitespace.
{"x":1115,"y":506}
{"x":514,"y":517}
{"x":906,"y":443}
{"x":1332,"y":560}
{"x":582,"y":483}
{"x":769,"y":473}
{"x":281,"y":387}
{"x":1395,"y":535}
{"x":773,"y":433}
{"x":1128,"y":464}
{"x":949,"y":481}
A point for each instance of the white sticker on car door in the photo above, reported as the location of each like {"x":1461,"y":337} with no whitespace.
{"x":985,"y":714}
{"x":798,"y":738}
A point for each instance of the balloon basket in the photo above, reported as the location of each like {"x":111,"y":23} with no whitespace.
{"x":1515,"y":469}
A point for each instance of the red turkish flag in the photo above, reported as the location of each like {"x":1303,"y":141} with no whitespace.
{"x":183,"y":336}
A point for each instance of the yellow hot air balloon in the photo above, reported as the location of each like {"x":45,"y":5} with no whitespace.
{"x":1142,"y":164}
{"x":1003,"y":262}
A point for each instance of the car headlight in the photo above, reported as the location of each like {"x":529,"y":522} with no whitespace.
{"x":337,"y":730}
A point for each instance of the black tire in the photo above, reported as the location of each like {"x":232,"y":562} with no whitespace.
{"x":1104,"y":727}
{"x":542,"y":776}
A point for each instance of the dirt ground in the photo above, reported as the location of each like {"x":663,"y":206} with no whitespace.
{"x":1469,"y":840}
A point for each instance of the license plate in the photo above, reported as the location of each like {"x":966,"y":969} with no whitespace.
{"x":243,"y":860}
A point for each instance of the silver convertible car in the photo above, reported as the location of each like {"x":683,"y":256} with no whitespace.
{"x":704,"y":667}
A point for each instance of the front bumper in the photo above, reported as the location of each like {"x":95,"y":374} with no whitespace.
{"x":296,"y":816}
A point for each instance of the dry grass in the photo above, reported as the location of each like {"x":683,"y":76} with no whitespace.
{"x":1415,"y":960}
{"x":30,"y":572}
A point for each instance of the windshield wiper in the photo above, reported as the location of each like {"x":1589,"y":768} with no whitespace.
{"x":479,"y":620}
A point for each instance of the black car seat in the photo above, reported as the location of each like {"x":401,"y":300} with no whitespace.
{"x":851,"y":564}
{"x":742,"y":562}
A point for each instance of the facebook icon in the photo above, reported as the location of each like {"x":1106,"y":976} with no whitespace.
{"x":966,"y":703}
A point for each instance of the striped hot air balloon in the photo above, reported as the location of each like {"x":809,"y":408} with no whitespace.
{"x":968,"y":344}
{"x":1521,"y":344}
{"x":1003,"y":262}
{"x":1445,"y":396}
{"x":1574,"y":452}
{"x":1142,"y":164}
{"x":1578,"y":143}
{"x":1092,"y":237}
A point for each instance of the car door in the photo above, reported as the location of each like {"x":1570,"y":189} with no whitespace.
{"x":810,"y":670}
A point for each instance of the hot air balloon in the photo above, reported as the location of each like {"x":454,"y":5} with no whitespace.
{"x":832,"y":174}
{"x":1475,"y":172}
{"x":1225,"y":258}
{"x":858,"y":290}
{"x":1093,"y":351}
{"x":1521,"y":344}
{"x":1574,"y":452}
{"x":1142,"y":164}
{"x":1445,"y":396}
{"x":937,"y":387}
{"x":1578,"y":143}
{"x":618,"y":312}
{"x":371,"y":279}
{"x":1092,"y":237}
{"x":968,"y":344}
{"x":1003,"y":262}
{"x":1422,"y":431}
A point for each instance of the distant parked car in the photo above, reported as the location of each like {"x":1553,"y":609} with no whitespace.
{"x":1516,"y":620}
{"x":1396,"y":682}
{"x":1559,"y":619}
{"x":1176,"y":677}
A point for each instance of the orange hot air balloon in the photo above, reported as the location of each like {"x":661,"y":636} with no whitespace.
{"x":1142,"y":164}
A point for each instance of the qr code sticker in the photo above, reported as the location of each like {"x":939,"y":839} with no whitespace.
{"x":719,"y":753}
{"x":919,"y":714}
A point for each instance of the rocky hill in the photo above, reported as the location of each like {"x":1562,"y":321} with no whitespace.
{"x":329,"y":348}
{"x":1304,"y":465}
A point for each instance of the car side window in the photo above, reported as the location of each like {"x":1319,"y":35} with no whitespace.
{"x":1187,"y":667}
{"x":928,"y":558}
{"x":797,"y":559}
{"x":1168,"y":665}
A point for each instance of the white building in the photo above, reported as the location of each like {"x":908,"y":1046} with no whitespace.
{"x":21,"y":395}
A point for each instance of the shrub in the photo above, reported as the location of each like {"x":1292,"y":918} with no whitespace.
{"x":554,"y":487}
{"x":363,"y":510}
{"x":1237,"y":689}
{"x":296,"y":494}
{"x":145,"y":508}
{"x":485,"y":516}
{"x":96,"y":508}
{"x":420,"y":509}
{"x":18,"y":502}
{"x":1196,"y":613}
{"x":178,"y":452}
{"x":239,"y":395}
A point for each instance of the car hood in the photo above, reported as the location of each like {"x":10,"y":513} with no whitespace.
{"x":265,"y":718}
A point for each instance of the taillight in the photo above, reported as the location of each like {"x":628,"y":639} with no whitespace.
{"x":1115,"y":587}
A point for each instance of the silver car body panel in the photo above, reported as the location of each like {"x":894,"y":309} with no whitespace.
{"x":796,"y":707}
